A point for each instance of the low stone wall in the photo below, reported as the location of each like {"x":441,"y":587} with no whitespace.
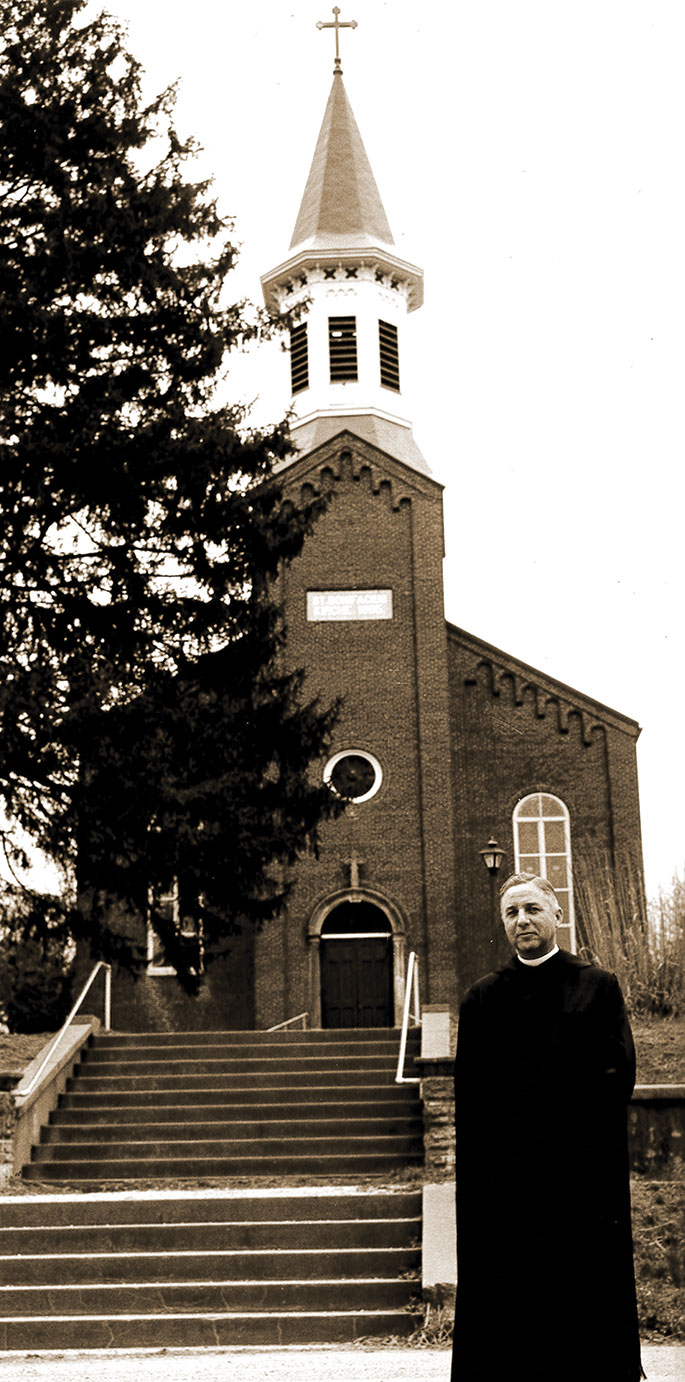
{"x":436,"y":1071}
{"x":656,"y":1125}
{"x":8,"y":1118}
{"x":23,"y":1115}
{"x":437,"y":1097}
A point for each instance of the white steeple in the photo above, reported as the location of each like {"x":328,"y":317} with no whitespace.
{"x":346,"y":350}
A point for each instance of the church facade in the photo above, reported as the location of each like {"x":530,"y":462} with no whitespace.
{"x":443,"y":742}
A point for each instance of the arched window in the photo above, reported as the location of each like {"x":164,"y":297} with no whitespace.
{"x":542,"y":845}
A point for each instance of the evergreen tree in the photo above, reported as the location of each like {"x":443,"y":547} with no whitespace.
{"x":141,"y":526}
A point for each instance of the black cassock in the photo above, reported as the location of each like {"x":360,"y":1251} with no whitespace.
{"x":544,"y":1071}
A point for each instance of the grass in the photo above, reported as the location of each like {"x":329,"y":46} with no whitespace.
{"x":659,"y":1243}
{"x":17,"y":1050}
{"x":660,"y":1046}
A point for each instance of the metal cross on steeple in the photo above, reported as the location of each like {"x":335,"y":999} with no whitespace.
{"x":337,"y":25}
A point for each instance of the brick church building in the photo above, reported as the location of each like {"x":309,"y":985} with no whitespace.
{"x":444,"y":741}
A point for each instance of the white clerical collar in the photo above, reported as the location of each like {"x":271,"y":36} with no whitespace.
{"x":532,"y":964}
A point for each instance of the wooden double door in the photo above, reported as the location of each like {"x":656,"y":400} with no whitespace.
{"x":357,"y":967}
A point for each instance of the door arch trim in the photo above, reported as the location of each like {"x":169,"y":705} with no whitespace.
{"x":398,"y":932}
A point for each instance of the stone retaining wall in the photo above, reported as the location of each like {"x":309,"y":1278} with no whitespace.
{"x":656,"y":1123}
{"x":23,"y":1115}
{"x":437,"y":1096}
{"x":656,"y":1127}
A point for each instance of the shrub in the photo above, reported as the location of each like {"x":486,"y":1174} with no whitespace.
{"x":642,"y":944}
{"x":36,"y":962}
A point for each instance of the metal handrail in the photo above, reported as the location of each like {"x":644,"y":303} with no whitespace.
{"x":301,"y":1017}
{"x":412,"y":983}
{"x":28,"y":1089}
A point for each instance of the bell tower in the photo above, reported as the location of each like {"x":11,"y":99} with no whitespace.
{"x":353,"y":291}
{"x":363,"y":607}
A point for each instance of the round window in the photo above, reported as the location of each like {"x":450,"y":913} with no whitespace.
{"x":353,"y":774}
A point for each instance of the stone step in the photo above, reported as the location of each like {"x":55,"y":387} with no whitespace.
{"x":107,"y":1051}
{"x":248,"y":1147}
{"x":195,"y":1207}
{"x":276,"y":1236}
{"x":98,"y":1082}
{"x":216,"y":1265}
{"x":193,"y":1167}
{"x":300,"y":1206}
{"x":83,"y":1110}
{"x":228,"y":1129}
{"x":375,"y":1293}
{"x":196,"y":1269}
{"x":316,"y":1036}
{"x":204,"y":1329}
{"x":204,"y":1105}
{"x":294,"y":1096}
{"x":318,"y":1066}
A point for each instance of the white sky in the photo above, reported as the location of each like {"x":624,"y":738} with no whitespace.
{"x":529,"y":157}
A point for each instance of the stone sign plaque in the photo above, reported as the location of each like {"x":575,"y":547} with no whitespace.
{"x":349,"y":604}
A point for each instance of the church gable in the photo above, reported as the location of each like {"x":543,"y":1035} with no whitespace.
{"x":348,"y":457}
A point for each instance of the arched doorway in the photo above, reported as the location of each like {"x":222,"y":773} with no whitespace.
{"x":356,"y":967}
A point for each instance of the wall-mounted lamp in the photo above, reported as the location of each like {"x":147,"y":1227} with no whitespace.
{"x":492,"y":856}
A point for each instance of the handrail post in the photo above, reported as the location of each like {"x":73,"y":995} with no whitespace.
{"x":108,"y":998}
{"x":412,"y":984}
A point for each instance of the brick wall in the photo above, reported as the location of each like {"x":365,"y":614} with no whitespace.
{"x":516,"y":732}
{"x":157,"y":1003}
{"x":383,"y":529}
{"x":462,"y":732}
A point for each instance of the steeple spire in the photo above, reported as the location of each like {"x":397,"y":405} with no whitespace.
{"x":341,"y":204}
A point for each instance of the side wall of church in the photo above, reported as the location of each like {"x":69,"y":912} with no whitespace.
{"x":512,"y":737}
{"x":157,"y":1003}
{"x":382,"y":530}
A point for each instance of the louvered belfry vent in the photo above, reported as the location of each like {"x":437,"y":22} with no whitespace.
{"x":299,"y":358}
{"x":342,"y":348}
{"x":390,"y":355}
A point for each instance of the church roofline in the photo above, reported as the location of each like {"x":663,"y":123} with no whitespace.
{"x":364,"y":451}
{"x":509,"y":663}
{"x":392,"y":436}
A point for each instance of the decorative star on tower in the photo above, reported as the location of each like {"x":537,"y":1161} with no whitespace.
{"x":337,"y":24}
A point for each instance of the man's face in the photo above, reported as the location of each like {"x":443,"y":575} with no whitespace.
{"x":530,"y":917}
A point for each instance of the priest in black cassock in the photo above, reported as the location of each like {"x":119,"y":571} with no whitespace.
{"x":544,"y":1070}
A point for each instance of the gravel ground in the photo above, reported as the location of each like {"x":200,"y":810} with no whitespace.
{"x":662,"y":1364}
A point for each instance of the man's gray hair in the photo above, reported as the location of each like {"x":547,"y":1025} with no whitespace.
{"x":542,"y":883}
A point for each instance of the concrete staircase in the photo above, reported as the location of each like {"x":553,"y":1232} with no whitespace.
{"x":164,"y":1106}
{"x":195,"y":1269}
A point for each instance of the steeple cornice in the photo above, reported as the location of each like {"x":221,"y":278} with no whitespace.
{"x":290,"y":279}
